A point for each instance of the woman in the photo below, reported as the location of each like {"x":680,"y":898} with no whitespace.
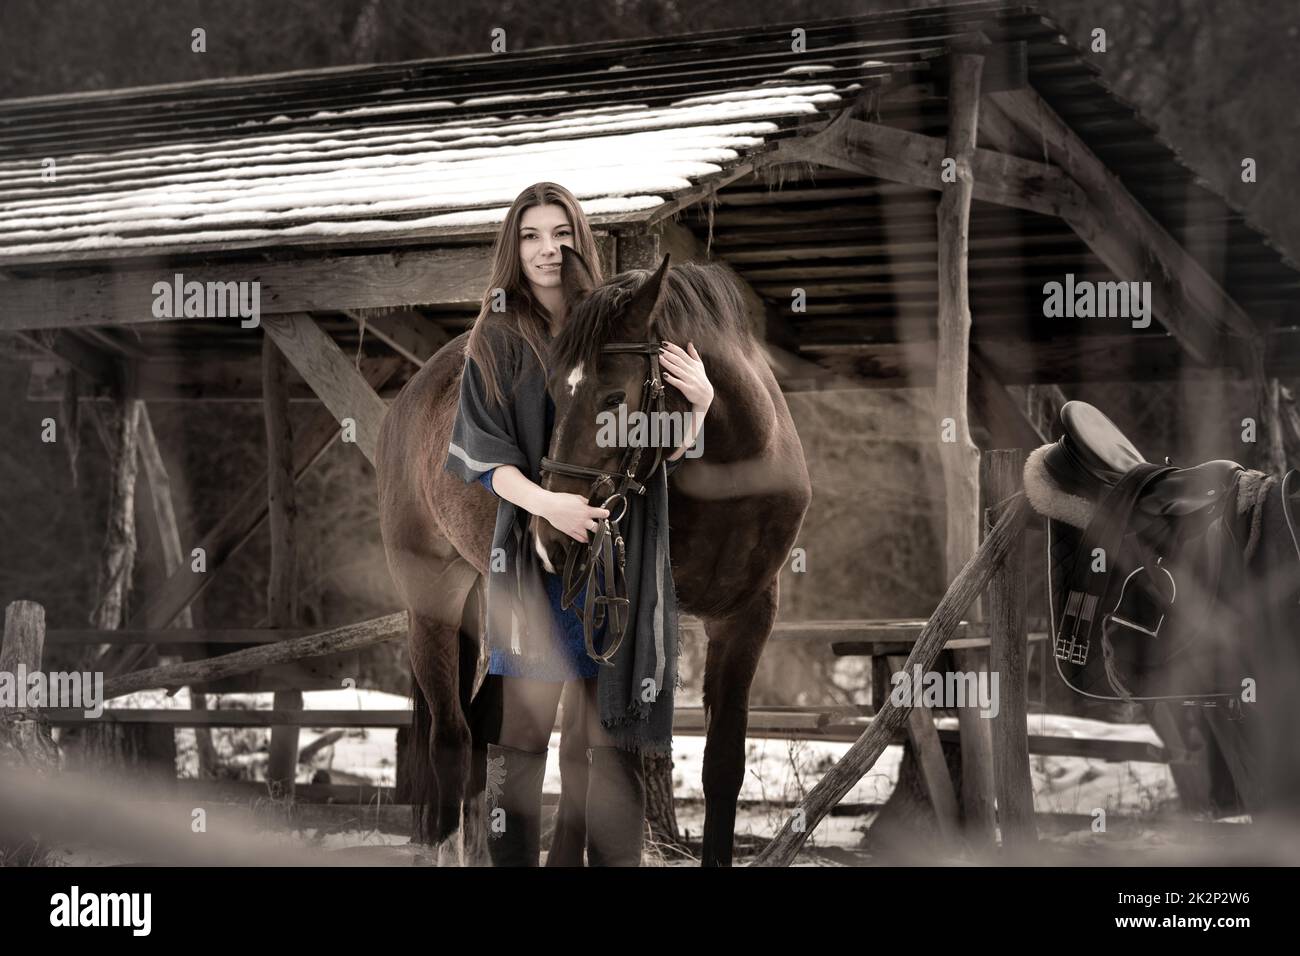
{"x":499,"y":439}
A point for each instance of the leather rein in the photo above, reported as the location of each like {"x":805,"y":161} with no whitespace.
{"x":607,"y":550}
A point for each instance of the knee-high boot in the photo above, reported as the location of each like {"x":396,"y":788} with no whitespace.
{"x":514,"y":787}
{"x":615,"y":807}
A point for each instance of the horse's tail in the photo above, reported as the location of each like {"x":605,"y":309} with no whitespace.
{"x":415,"y":784}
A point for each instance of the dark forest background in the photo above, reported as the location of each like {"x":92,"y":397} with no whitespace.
{"x":1219,"y":78}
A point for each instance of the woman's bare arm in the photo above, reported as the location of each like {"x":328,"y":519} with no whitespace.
{"x":684,"y":370}
{"x":567,"y":513}
{"x":517,"y":488}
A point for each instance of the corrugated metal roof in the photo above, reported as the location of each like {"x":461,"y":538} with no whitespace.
{"x":374,"y":179}
{"x":414,"y":149}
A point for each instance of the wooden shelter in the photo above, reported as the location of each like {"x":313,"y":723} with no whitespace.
{"x":892,"y":191}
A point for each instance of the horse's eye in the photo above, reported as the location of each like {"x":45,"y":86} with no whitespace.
{"x":615,"y":399}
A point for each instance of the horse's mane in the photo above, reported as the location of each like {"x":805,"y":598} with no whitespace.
{"x":699,"y":303}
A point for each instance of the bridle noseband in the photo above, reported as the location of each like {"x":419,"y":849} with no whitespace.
{"x":606,"y":549}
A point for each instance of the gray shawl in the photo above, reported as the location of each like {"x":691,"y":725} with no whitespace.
{"x":636,"y":692}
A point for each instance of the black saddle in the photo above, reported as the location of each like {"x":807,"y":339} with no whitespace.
{"x":1093,"y":455}
{"x":1136,"y":596}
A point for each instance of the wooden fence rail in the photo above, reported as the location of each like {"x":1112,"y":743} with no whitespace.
{"x":889,"y":720}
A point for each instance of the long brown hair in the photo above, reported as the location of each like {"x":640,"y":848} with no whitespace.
{"x":523,"y":314}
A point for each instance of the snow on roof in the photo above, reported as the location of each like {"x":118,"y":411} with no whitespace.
{"x":387,"y":174}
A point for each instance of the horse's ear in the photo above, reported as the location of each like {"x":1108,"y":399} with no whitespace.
{"x":575,"y":275}
{"x":636,"y":317}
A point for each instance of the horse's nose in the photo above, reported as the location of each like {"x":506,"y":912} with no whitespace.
{"x":552,"y":552}
{"x":544,"y":553}
{"x":559,"y":554}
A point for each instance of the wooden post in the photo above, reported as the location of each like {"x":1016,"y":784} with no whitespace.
{"x":117,"y":558}
{"x":1008,"y":641}
{"x":1275,"y":454}
{"x":331,"y":375}
{"x":958,"y":455}
{"x":281,"y":590}
{"x":1289,"y":415}
{"x":110,"y":747}
{"x":935,"y":778}
{"x":25,"y":740}
{"x":889,"y":720}
{"x":238,"y":524}
{"x":335,"y":640}
{"x":173,"y":556}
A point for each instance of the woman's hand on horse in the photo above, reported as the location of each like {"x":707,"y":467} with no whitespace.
{"x":685,"y":371}
{"x":570,"y":514}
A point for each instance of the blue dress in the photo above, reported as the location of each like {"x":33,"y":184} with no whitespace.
{"x":576,"y":662}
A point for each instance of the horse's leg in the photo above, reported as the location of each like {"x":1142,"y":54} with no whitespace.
{"x":735,"y":645}
{"x":440,"y":734}
{"x":435,"y":661}
{"x":570,"y":833}
{"x":484,"y":713}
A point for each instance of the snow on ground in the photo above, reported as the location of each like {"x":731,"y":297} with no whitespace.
{"x":777,"y":772}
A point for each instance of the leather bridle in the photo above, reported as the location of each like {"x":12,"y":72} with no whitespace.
{"x":606,"y":550}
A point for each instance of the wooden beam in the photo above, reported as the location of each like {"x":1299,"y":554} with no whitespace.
{"x":1007,"y":608}
{"x":694,"y":195}
{"x":1060,"y":359}
{"x":889,"y":720}
{"x":1290,"y":417}
{"x":177,"y":636}
{"x":244,"y":517}
{"x":1007,"y":424}
{"x":1187,"y":763}
{"x":867,"y":630}
{"x":1274,"y":452}
{"x":173,"y":379}
{"x":958,"y":456}
{"x":1006,"y":65}
{"x":121,"y":749}
{"x":868,"y":649}
{"x":282,"y":584}
{"x":1042,"y":407}
{"x":340,"y":386}
{"x":935,"y":778}
{"x":25,"y":741}
{"x":408,"y":333}
{"x":173,"y":556}
{"x":445,"y":276}
{"x":117,"y":557}
{"x":1121,"y":233}
{"x":335,"y":640}
{"x":900,"y":156}
{"x":99,"y":369}
{"x":687,"y":722}
{"x":119,"y":348}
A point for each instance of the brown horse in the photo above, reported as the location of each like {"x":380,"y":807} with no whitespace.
{"x":735,"y":513}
